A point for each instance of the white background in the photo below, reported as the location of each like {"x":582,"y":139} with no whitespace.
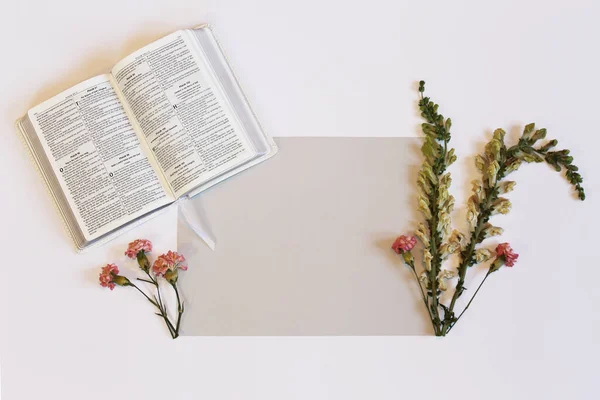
{"x":318,"y":68}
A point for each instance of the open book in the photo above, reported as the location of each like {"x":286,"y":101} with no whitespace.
{"x":167,"y":122}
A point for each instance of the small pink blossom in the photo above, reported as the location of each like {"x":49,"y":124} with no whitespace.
{"x":138,"y":245}
{"x":169,"y":261}
{"x":510,"y":257}
{"x":109,"y":272}
{"x":404,"y":244}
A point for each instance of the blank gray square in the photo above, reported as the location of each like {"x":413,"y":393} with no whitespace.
{"x":303,"y":244}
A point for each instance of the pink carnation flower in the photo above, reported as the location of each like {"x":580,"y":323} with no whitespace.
{"x":138,"y":245}
{"x":404,"y":244}
{"x":510,"y":257}
{"x":170,"y":261}
{"x":107,"y":276}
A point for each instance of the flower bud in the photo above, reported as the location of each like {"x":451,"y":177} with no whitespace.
{"x":528,"y":130}
{"x":539,"y":134}
{"x":532,"y":158}
{"x":499,"y":135}
{"x":549,"y":145}
{"x":450,"y":157}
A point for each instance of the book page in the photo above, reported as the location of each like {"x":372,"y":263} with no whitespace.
{"x":182,"y":112}
{"x":97,"y":158}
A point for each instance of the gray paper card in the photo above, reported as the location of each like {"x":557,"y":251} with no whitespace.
{"x":303,"y":244}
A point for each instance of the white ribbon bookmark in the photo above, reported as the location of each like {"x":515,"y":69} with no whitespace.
{"x":196,"y":219}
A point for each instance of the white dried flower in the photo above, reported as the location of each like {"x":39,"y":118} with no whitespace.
{"x":449,"y":248}
{"x":480,"y":162}
{"x":482,"y":255}
{"x":477,"y":190}
{"x":506,"y":187}
{"x":442,"y":195}
{"x":424,"y":208}
{"x":428,"y":171}
{"x":490,"y":231}
{"x":443,"y":276}
{"x":446,"y":180}
{"x":444,"y":221}
{"x":449,"y":204}
{"x":424,"y":183}
{"x":427,"y":258}
{"x":458,"y":238}
{"x":421,"y":233}
{"x":424,"y":279}
{"x":472,"y":213}
{"x":502,"y":206}
{"x":492,"y":149}
{"x":492,"y":173}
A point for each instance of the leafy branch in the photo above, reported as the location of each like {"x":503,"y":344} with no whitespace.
{"x":436,"y":204}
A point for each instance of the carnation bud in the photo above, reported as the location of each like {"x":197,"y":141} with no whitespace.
{"x":171,"y":276}
{"x":499,"y":262}
{"x":121,"y":280}
{"x":143,"y":261}
{"x":407,"y":256}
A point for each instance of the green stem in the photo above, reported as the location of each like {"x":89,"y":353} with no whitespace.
{"x":162,"y":311}
{"x":435,"y":239}
{"x":485,"y":211}
{"x":470,"y":301}
{"x":179,"y":309}
{"x":144,"y":294}
{"x":412,"y":267}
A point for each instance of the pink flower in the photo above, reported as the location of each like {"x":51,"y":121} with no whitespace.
{"x":109,"y":272}
{"x":169,"y":262}
{"x":138,"y":245}
{"x":404,"y":244}
{"x":510,"y":257}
